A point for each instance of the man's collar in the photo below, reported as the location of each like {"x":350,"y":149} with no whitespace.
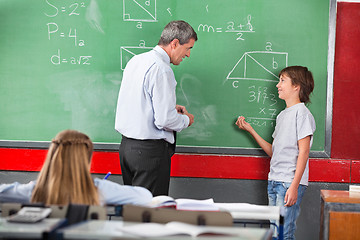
{"x":162,"y":53}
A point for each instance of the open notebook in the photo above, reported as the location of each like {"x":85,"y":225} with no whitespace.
{"x":153,"y":230}
{"x":184,"y":203}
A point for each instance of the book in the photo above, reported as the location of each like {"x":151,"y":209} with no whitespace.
{"x":153,"y":230}
{"x":163,"y":201}
{"x":250,"y":211}
{"x":354,"y":188}
{"x":184,"y":203}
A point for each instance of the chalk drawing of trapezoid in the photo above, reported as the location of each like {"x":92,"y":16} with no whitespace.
{"x":259,"y":66}
{"x":126,"y":53}
{"x":139,"y":10}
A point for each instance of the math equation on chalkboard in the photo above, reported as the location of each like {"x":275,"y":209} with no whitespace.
{"x":70,"y":35}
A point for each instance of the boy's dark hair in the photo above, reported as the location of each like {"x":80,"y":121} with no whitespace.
{"x":300,"y":76}
{"x":180,"y":30}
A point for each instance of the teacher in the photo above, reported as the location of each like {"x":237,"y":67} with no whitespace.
{"x":147,"y":115}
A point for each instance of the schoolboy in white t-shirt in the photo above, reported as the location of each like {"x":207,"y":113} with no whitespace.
{"x":289,"y":151}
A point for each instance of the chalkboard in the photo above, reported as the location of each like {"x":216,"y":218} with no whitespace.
{"x":61,"y":66}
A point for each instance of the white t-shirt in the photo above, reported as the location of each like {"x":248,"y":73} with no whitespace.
{"x":292,"y":124}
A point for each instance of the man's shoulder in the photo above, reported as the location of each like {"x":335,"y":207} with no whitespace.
{"x":149,"y":57}
{"x":142,"y":56}
{"x":143,"y":60}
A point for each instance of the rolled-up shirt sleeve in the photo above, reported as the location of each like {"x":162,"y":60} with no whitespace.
{"x":164,"y":102}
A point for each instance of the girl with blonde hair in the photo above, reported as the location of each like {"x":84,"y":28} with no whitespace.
{"x":65,"y":178}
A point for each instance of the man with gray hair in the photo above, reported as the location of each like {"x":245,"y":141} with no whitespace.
{"x":147,"y":115}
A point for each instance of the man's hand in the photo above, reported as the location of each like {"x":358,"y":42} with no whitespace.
{"x":191,"y":117}
{"x":182,"y":110}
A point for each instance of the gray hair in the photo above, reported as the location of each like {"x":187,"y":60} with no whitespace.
{"x":180,"y":30}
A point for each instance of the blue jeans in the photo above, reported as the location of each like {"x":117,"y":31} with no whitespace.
{"x":276,"y":195}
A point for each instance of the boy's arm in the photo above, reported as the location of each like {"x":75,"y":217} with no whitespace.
{"x":242,"y":124}
{"x":304,"y":150}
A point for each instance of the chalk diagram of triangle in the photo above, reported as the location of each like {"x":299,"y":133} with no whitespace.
{"x":139,"y":10}
{"x":126,"y":53}
{"x":259,"y":66}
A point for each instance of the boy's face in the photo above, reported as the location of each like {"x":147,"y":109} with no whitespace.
{"x":286,"y":89}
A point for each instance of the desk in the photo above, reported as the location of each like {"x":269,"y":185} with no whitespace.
{"x":239,"y":211}
{"x":243,"y":214}
{"x":340,"y":215}
{"x":99,"y":229}
{"x":29,"y":230}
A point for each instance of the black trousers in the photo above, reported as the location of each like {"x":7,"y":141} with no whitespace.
{"x":146,"y":163}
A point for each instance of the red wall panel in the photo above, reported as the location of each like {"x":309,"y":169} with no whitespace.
{"x":194,"y":165}
{"x":346,"y":110}
{"x":355,"y":171}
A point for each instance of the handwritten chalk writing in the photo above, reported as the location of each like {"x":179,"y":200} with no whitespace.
{"x":142,"y":43}
{"x":275,"y":64}
{"x":248,"y":24}
{"x":268,"y":111}
{"x":235,"y":84}
{"x":261,"y":122}
{"x":240,"y":28}
{"x":261,"y":95}
{"x":262,"y":110}
{"x":139,"y":25}
{"x":54,"y":31}
{"x":56,"y":59}
{"x":272,"y":112}
{"x":72,"y":9}
{"x":206,"y":28}
{"x":231,"y":27}
{"x":53,"y":28}
{"x":72,"y":34}
{"x":240,"y":36}
{"x":268,"y":46}
{"x":265,"y":69}
{"x":140,"y":11}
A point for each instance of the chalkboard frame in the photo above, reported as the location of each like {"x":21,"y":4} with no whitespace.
{"x":227,"y":150}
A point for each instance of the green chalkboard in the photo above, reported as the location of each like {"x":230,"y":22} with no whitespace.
{"x":61,"y":65}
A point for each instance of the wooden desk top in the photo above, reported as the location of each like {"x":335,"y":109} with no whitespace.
{"x":340,"y":196}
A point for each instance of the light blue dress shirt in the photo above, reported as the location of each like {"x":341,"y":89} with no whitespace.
{"x":147,"y":100}
{"x":110,"y":193}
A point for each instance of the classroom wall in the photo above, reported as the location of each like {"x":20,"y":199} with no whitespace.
{"x":230,"y":178}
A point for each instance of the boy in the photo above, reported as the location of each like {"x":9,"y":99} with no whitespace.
{"x":289,"y":152}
